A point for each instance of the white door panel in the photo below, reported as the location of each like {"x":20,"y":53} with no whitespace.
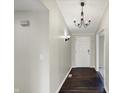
{"x":82,"y":51}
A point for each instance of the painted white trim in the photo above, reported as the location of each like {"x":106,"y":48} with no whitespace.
{"x":97,"y":52}
{"x":99,"y":33}
{"x":79,"y":67}
{"x":63,"y":80}
{"x":93,"y":67}
{"x":74,"y":49}
{"x":105,"y":63}
{"x":75,"y":66}
{"x":106,"y":89}
{"x":92,"y":47}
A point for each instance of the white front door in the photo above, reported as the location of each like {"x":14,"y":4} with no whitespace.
{"x":82,"y":51}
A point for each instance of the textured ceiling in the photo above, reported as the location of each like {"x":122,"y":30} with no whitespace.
{"x":93,"y":10}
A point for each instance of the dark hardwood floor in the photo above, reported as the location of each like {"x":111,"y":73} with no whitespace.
{"x":83,"y":80}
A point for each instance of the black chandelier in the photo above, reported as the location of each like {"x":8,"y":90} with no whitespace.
{"x":82,"y":21}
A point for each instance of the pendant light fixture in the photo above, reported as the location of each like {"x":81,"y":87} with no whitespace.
{"x":82,"y":21}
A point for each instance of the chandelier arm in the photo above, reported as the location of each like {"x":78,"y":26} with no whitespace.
{"x":89,"y":22}
{"x":79,"y":25}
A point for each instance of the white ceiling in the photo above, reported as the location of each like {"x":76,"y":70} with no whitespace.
{"x":93,"y":10}
{"x":28,"y":5}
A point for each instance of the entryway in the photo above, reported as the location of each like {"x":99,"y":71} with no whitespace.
{"x":100,"y":55}
{"x":82,"y":51}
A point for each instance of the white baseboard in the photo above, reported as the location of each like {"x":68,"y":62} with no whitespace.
{"x":74,"y":66}
{"x":78,"y":66}
{"x":93,"y":67}
{"x":63,"y":81}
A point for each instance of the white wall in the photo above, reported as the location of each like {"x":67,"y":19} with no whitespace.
{"x":31,"y":53}
{"x":60,"y":51}
{"x":92,"y":45}
{"x":105,"y":25}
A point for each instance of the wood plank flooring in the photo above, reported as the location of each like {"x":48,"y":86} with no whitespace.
{"x":83,"y":80}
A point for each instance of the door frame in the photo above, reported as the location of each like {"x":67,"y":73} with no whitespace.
{"x":73,"y":48}
{"x":98,"y":34}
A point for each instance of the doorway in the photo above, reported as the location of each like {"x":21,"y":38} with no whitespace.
{"x":82,"y":51}
{"x":100,"y":54}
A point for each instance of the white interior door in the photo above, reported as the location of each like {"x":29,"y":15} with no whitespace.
{"x":82,"y":51}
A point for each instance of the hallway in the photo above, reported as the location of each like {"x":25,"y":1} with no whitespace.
{"x":83,"y":80}
{"x":56,"y":37}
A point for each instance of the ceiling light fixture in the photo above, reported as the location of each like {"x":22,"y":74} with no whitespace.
{"x":82,"y":21}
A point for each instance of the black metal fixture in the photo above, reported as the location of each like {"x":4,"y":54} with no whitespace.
{"x":82,"y":21}
{"x":67,"y":38}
